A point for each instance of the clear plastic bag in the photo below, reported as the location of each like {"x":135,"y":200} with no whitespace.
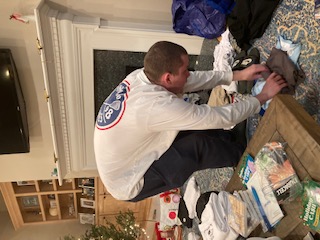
{"x":273,"y":163}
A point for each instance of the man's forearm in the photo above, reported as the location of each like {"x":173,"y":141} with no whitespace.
{"x":237,"y":76}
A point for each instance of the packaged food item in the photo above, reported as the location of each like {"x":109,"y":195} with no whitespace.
{"x":272,"y":162}
{"x":311,"y":204}
{"x":237,"y":217}
{"x":169,"y":207}
{"x":253,"y":219}
{"x":247,"y":169}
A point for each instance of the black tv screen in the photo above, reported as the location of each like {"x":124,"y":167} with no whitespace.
{"x":14,"y":134}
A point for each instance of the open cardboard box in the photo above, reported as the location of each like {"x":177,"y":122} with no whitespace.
{"x":286,"y":121}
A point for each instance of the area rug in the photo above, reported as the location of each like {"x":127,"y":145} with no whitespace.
{"x":295,"y":20}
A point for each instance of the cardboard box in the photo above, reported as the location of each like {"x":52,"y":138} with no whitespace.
{"x":286,"y":121}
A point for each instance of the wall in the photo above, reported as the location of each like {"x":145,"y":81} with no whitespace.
{"x":21,"y":39}
{"x":141,"y":11}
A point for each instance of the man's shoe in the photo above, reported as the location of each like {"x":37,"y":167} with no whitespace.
{"x":238,"y":60}
{"x":253,"y":57}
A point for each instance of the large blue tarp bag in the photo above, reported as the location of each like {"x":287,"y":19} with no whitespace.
{"x":223,"y":6}
{"x":204,"y":18}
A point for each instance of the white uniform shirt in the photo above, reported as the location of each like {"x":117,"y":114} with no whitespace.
{"x":139,"y":121}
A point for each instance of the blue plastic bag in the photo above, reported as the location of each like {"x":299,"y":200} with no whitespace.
{"x":200,"y":17}
{"x":223,"y":6}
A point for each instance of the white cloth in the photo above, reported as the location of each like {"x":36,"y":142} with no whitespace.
{"x":139,"y":121}
{"x":223,"y":59}
{"x":214,"y":224}
{"x":193,"y":236}
{"x":191,"y":196}
{"x":257,"y":88}
{"x":293,"y":49}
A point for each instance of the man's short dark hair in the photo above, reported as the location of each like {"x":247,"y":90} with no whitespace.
{"x":163,"y":57}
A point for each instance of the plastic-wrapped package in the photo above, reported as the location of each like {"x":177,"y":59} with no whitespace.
{"x":238,"y":215}
{"x":169,"y":206}
{"x":252,"y":218}
{"x":272,"y":162}
{"x":311,"y":204}
{"x":247,"y":169}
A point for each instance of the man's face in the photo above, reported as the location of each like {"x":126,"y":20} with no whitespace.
{"x":179,"y":80}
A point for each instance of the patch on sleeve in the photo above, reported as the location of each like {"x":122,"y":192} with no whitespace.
{"x":113,"y":107}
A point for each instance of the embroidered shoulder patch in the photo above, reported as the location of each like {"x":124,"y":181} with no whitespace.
{"x":113,"y":107}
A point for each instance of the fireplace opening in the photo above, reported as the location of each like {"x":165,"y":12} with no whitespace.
{"x":111,"y":67}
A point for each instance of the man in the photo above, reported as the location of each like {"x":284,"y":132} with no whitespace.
{"x":142,"y":140}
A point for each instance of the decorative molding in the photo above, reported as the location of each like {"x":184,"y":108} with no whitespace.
{"x":60,"y":87}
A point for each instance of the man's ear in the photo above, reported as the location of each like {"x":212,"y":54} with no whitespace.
{"x":166,"y":80}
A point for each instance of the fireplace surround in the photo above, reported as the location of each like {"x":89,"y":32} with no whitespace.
{"x":67,"y":44}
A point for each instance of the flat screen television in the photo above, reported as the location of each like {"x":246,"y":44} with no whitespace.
{"x":14,"y":134}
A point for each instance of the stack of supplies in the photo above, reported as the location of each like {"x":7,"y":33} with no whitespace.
{"x":271,"y":180}
{"x":272,"y":162}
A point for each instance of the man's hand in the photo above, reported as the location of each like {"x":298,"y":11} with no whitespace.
{"x":273,"y":85}
{"x":250,"y":73}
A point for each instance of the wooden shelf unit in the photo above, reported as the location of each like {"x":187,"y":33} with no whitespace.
{"x":108,"y":207}
{"x":43,"y":201}
{"x":30,"y":204}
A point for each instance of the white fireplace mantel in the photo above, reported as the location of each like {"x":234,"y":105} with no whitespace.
{"x":66,"y":44}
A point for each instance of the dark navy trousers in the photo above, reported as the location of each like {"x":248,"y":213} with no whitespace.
{"x":191,"y":151}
